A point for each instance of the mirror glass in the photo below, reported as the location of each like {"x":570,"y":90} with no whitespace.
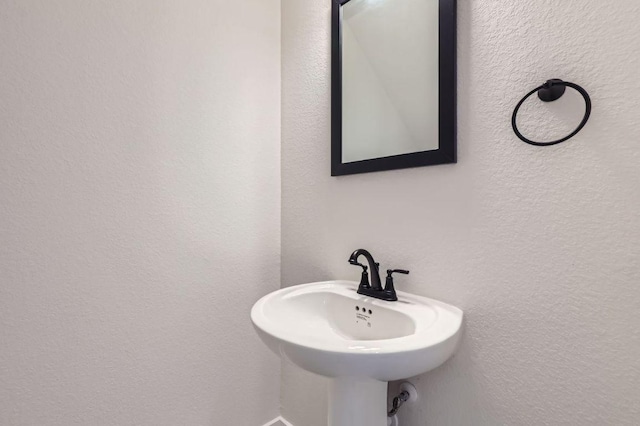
{"x":393,"y":84}
{"x":389,"y":78}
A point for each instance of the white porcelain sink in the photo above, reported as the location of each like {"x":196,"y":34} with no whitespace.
{"x":361,"y":342}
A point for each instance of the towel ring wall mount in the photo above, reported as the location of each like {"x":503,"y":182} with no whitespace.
{"x":551,"y":91}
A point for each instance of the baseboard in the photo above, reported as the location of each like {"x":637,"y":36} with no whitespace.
{"x":278,"y":421}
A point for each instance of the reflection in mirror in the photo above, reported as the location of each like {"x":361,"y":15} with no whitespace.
{"x":393,"y":84}
{"x":389,"y":78}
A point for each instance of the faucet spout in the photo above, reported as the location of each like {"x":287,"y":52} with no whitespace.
{"x":373,"y":267}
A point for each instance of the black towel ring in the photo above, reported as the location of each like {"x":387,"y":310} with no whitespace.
{"x":551,"y":91}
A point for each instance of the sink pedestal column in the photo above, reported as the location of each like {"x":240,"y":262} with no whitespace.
{"x":357,"y":402}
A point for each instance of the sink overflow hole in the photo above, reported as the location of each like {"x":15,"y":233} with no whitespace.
{"x":364,"y":310}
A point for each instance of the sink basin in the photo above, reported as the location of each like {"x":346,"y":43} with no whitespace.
{"x":361,"y":342}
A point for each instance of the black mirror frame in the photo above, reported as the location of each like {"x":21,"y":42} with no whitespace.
{"x":446,"y":152}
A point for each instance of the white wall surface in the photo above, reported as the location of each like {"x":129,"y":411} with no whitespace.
{"x":139,"y":211}
{"x":539,"y":246}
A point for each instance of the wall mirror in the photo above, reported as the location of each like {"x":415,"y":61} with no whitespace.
{"x":393,"y":84}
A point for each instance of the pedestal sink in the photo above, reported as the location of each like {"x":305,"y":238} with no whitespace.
{"x":361,"y":343}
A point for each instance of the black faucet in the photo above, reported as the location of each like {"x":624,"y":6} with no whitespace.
{"x":374,"y":289}
{"x":375,"y":274}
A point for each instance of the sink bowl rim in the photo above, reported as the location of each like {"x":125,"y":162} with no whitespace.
{"x":445,"y":326}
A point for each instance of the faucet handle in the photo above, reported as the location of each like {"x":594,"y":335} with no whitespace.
{"x":388,"y":286}
{"x":364,"y":279}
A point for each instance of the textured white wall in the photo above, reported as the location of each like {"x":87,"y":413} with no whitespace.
{"x":139,"y":210}
{"x":539,"y":246}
